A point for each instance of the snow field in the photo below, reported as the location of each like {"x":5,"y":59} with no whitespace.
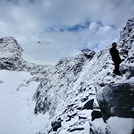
{"x":17,"y":107}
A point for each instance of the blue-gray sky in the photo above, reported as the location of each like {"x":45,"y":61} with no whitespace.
{"x":51,"y":29}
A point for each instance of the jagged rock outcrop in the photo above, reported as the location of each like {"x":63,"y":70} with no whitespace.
{"x":117,"y":100}
{"x":55,"y":125}
{"x":126,"y":47}
{"x":10,"y":53}
{"x":88,"y":53}
{"x":127,"y":41}
{"x":57,"y":86}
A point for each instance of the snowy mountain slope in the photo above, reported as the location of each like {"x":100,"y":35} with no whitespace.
{"x":57,"y":85}
{"x":17,"y":69}
{"x":61,"y":90}
{"x":17,"y":106}
{"x":65,"y":97}
{"x":13,"y":57}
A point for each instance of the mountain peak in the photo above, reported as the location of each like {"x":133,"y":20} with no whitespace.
{"x":10,"y":48}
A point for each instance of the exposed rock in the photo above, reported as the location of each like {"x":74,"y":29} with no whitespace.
{"x":96,"y":114}
{"x":117,"y":100}
{"x":88,"y":53}
{"x":128,"y":70}
{"x":88,"y":105}
{"x":71,"y":115}
{"x":59,"y":81}
{"x":10,"y":53}
{"x":55,"y":125}
{"x":75,"y":129}
{"x":127,"y":42}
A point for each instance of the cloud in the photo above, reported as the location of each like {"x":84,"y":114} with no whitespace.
{"x":63,"y":27}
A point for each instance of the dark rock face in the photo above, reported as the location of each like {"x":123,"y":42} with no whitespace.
{"x":88,"y":105}
{"x":88,"y":53}
{"x":117,"y":100}
{"x":96,"y":114}
{"x":55,"y":125}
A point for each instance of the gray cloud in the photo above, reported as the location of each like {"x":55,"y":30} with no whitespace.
{"x":29,"y":20}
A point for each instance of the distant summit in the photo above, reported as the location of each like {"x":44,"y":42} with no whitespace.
{"x":9,"y":47}
{"x":13,"y":57}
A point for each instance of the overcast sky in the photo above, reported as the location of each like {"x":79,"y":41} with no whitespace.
{"x":51,"y":29}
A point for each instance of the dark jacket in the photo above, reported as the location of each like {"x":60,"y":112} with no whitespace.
{"x":115,"y":55}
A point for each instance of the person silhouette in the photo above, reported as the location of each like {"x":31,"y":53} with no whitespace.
{"x":115,"y":58}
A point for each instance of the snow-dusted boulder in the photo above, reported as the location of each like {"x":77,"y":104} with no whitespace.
{"x":117,"y":100}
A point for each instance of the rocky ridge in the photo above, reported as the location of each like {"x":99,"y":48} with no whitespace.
{"x":66,"y":96}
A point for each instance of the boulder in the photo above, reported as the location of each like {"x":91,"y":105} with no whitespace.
{"x":96,"y":114}
{"x":117,"y":100}
{"x":55,"y":125}
{"x":89,"y":104}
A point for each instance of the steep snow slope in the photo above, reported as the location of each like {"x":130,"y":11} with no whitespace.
{"x":17,"y":107}
{"x":17,"y":89}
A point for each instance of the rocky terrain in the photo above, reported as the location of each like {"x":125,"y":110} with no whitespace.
{"x":67,"y":91}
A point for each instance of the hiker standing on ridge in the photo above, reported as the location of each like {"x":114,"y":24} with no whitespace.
{"x":116,"y":58}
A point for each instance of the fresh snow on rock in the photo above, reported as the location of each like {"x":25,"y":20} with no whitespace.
{"x":63,"y":93}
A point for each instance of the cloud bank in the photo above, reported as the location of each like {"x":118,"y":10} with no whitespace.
{"x":51,"y":29}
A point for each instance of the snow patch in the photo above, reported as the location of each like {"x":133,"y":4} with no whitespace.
{"x":116,"y":125}
{"x":17,"y":107}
